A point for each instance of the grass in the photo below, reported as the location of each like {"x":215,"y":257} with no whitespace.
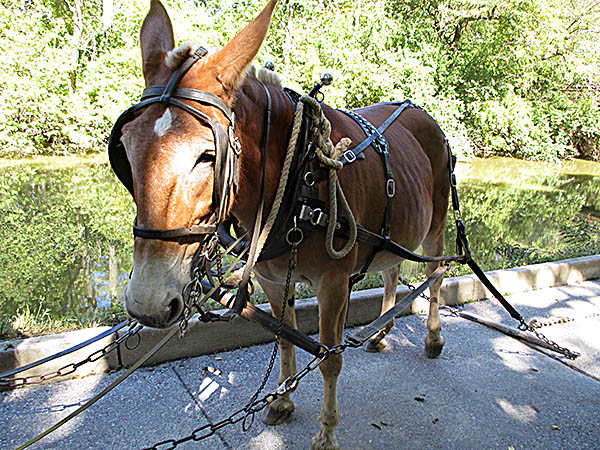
{"x":25,"y":323}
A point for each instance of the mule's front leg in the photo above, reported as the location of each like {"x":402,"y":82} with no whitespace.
{"x":280,"y":410}
{"x":333,"y":303}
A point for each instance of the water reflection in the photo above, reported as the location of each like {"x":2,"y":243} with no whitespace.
{"x":66,"y":245}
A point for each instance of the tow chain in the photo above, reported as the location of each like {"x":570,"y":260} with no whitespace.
{"x":16,"y":382}
{"x":559,"y":320}
{"x":523,"y":326}
{"x":288,"y":282}
{"x":288,"y":385}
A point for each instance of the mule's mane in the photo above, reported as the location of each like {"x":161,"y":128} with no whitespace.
{"x":176,"y":56}
{"x":264,"y":75}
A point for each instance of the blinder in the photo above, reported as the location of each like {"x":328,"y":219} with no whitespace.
{"x":227,"y":149}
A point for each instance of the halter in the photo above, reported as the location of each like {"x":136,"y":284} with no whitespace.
{"x":227,"y":149}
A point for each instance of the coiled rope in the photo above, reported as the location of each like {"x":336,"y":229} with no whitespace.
{"x":328,"y":155}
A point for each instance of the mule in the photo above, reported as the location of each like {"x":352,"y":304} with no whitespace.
{"x":171,"y":155}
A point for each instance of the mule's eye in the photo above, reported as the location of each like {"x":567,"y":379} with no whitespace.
{"x":206,"y":157}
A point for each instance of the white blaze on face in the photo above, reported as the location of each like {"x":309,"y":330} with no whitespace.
{"x":163,"y":123}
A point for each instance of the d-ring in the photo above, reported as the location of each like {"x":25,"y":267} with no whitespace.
{"x":294,"y":236}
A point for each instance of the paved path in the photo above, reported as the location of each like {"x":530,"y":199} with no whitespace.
{"x":485,"y":391}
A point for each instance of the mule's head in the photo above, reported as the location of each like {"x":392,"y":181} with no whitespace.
{"x":171,"y":155}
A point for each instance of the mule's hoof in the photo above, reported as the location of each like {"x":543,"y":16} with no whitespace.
{"x":278,"y":412}
{"x":375,"y":346}
{"x":324,"y":442}
{"x":433,"y":349}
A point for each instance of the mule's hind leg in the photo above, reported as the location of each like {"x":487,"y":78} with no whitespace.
{"x":434,"y":342}
{"x":390,"y":280}
{"x":280,"y":410}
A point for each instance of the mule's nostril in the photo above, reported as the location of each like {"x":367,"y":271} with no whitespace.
{"x":175,"y":309}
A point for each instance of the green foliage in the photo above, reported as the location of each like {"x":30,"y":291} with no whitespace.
{"x":503,"y":78}
{"x":59,"y":228}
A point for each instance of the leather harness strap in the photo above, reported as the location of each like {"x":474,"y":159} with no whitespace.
{"x":242,"y":297}
{"x":351,"y":154}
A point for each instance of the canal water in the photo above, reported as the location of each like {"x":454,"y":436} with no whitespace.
{"x":66,"y":244}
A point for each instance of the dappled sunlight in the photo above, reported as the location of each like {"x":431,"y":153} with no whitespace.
{"x":215,"y":384}
{"x":522,"y":413}
{"x":207,"y":388}
{"x":267,"y":440}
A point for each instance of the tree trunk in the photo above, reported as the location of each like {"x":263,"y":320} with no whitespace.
{"x":107,"y":14}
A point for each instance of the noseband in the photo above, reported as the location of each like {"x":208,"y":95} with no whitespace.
{"x":227,"y":149}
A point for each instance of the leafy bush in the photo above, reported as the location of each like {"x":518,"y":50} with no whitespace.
{"x":494,"y":75}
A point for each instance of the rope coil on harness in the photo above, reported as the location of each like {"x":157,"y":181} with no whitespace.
{"x":329,"y":155}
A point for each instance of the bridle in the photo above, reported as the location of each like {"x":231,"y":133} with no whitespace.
{"x":226,"y":174}
{"x":227,"y":150}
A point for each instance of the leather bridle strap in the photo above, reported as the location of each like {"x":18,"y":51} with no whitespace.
{"x":175,"y":234}
{"x":242,"y":296}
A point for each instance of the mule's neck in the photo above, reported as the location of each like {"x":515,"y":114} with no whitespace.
{"x":251,"y":116}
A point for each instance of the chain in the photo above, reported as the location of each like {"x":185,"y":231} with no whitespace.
{"x":287,"y":386}
{"x":15,"y":382}
{"x":288,"y":282}
{"x":559,"y":320}
{"x":411,"y":287}
{"x":557,"y":348}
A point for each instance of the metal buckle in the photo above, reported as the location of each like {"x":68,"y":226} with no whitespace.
{"x":319,"y":218}
{"x":390,"y":188}
{"x":314,"y":216}
{"x":306,"y":213}
{"x":349,"y":156}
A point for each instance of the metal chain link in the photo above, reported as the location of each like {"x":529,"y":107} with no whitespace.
{"x":16,"y":382}
{"x":288,"y":282}
{"x":411,"y":287}
{"x":570,"y":354}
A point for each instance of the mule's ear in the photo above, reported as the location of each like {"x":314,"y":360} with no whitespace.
{"x":233,"y":59}
{"x":156,"y":39}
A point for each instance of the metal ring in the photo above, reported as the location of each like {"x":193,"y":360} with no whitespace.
{"x":289,"y":237}
{"x":131,"y":348}
{"x":309,"y":179}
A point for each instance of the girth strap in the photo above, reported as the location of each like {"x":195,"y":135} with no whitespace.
{"x":384,"y":243}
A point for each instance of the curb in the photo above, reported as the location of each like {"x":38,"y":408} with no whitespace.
{"x":204,"y":338}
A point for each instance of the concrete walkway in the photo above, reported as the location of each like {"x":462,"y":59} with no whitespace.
{"x":486,"y":390}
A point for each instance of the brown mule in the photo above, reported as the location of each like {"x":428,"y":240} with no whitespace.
{"x":172,"y":170}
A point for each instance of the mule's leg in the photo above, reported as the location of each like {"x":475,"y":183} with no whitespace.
{"x":333,"y":304}
{"x":390,"y":280}
{"x":280,"y":410}
{"x":434,"y":342}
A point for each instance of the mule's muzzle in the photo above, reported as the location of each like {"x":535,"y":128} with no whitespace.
{"x":162,"y":314}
